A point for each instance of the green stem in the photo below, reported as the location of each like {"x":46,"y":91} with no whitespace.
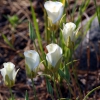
{"x":53,"y":37}
{"x":12,"y":98}
{"x":46,"y":28}
{"x":37,"y":49}
{"x":97,"y":7}
{"x":75,"y":74}
{"x":59,"y":89}
{"x":51,"y":93}
{"x":69,"y":87}
{"x":91,"y":92}
{"x":56,"y":87}
{"x":39,"y":53}
{"x":34,"y":90}
{"x":36,"y":26}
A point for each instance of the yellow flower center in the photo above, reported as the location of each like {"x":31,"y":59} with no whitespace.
{"x":30,"y":54}
{"x":54,"y":8}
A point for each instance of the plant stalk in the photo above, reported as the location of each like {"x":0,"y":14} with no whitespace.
{"x":85,"y":98}
{"x":34,"y":90}
{"x":55,"y":87}
{"x":12,"y":98}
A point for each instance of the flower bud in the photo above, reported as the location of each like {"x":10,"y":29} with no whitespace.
{"x":69,"y":33}
{"x":9,"y":73}
{"x":32,"y":61}
{"x":54,"y":10}
{"x":54,"y":54}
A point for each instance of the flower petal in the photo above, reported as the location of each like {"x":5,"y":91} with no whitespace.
{"x":54,"y":10}
{"x":9,"y":67}
{"x":3,"y":73}
{"x":32,"y":59}
{"x":54,"y":54}
{"x":15,"y":73}
{"x":69,"y":31}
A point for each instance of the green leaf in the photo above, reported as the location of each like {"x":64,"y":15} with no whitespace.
{"x":9,"y":82}
{"x":57,"y":66}
{"x":97,"y":11}
{"x":7,"y":41}
{"x":86,"y":97}
{"x":31,"y":32}
{"x":47,"y":33}
{"x":88,"y":24}
{"x":67,"y":73}
{"x":98,"y":15}
{"x":67,"y":54}
{"x":28,"y":71}
{"x":74,"y":9}
{"x":13,"y":20}
{"x":71,"y":62}
{"x":49,"y":87}
{"x":36,"y":28}
{"x":87,"y":27}
{"x":61,"y":73}
{"x":62,"y":19}
{"x":26,"y":96}
{"x":81,"y":11}
{"x":67,"y":79}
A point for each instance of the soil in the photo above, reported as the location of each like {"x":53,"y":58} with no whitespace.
{"x":87,"y":79}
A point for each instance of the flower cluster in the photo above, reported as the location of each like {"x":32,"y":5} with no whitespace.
{"x":55,"y":52}
{"x":32,"y":58}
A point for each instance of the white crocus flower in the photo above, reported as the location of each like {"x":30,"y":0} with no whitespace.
{"x":54,"y":54}
{"x":69,"y":31}
{"x":9,"y":71}
{"x":54,"y":10}
{"x":32,"y":59}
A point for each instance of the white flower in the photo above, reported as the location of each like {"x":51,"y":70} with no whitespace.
{"x":54,"y":10}
{"x":32,"y":59}
{"x":9,"y":70}
{"x":69,"y":31}
{"x":54,"y":54}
